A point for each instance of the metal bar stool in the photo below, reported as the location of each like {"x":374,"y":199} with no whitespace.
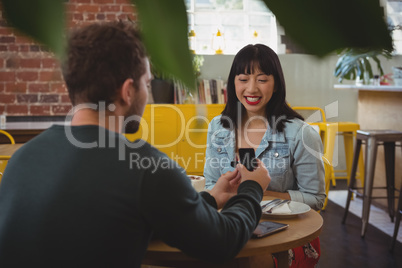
{"x":373,"y":138}
{"x":398,"y":219}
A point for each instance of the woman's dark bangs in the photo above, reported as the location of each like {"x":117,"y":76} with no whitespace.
{"x":246,"y":66}
{"x":266,"y":66}
{"x":243,"y":64}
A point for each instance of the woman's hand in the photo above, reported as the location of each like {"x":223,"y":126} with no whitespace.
{"x":260,"y":174}
{"x":226,"y":187}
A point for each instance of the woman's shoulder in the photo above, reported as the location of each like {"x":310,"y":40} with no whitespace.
{"x":216,"y":122}
{"x":217,"y":118}
{"x":295,"y":126}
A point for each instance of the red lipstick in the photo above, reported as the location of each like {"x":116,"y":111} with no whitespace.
{"x":254,"y":102}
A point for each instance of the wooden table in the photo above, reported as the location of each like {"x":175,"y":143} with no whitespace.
{"x":9,"y":149}
{"x":302,"y":229}
{"x":24,"y":131}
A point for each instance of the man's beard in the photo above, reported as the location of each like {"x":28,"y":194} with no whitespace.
{"x":131,"y":120}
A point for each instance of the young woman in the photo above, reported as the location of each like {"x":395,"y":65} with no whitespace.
{"x":257,"y":116}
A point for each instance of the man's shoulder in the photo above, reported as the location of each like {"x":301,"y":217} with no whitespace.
{"x":147,"y":152}
{"x":145,"y":148}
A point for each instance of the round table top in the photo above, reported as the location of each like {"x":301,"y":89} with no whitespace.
{"x":302,"y":229}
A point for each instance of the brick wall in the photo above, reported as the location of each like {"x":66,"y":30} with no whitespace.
{"x":31,"y":83}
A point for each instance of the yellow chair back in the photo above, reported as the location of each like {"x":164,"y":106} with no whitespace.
{"x":3,"y":158}
{"x":8,"y":135}
{"x":312,"y":108}
{"x":3,"y":162}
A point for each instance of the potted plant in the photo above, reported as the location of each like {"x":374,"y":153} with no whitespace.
{"x":190,"y":95}
{"x":355,"y":64}
{"x":198,"y":61}
{"x":162,"y":87}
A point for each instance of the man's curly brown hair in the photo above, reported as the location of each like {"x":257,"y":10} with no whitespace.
{"x":100,"y":57}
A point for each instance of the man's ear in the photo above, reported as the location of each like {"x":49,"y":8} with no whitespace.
{"x":127,"y":91}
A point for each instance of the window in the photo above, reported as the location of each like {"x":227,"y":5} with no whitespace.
{"x":240,"y":22}
{"x":394,"y":12}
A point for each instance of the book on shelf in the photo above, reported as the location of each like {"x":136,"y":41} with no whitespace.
{"x":201,"y":92}
{"x":221,"y":91}
{"x":208,"y":91}
{"x":214,"y":91}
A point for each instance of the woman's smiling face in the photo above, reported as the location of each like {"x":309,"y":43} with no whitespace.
{"x":254,"y":91}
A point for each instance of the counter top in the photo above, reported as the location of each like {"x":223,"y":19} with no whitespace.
{"x":32,"y":125}
{"x":370,"y":88}
{"x":24,"y":131}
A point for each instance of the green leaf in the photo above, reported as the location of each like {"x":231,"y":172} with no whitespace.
{"x":356,"y":60}
{"x":367,"y":67}
{"x":379,"y":67}
{"x":42,"y":20}
{"x":164,"y":30}
{"x":321,"y":27}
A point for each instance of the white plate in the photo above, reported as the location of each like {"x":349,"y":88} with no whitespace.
{"x":297,"y":208}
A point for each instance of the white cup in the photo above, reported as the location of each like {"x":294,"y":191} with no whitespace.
{"x":198,"y":182}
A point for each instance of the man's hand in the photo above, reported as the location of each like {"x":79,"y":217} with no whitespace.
{"x":260,"y":174}
{"x":226,"y":187}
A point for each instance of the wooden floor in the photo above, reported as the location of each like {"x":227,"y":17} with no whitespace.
{"x":342,"y":246}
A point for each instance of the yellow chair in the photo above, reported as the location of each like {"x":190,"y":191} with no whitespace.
{"x":328,"y":132}
{"x":320,"y":124}
{"x":328,"y":176}
{"x":8,"y":135}
{"x":4,"y":158}
{"x":3,"y":162}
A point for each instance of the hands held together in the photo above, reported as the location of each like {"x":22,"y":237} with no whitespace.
{"x":227,"y":184}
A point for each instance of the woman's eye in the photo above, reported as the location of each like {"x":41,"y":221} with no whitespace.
{"x":262,"y":80}
{"x":243,"y":80}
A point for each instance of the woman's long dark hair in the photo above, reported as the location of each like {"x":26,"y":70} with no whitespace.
{"x":247,"y":60}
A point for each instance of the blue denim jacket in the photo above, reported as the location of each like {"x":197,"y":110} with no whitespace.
{"x":293,"y":158}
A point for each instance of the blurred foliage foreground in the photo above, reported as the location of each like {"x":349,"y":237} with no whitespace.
{"x":318,"y":26}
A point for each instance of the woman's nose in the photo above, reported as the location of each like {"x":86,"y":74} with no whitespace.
{"x":252,"y":86}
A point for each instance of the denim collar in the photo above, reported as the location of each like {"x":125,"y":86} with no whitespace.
{"x":226,"y":140}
